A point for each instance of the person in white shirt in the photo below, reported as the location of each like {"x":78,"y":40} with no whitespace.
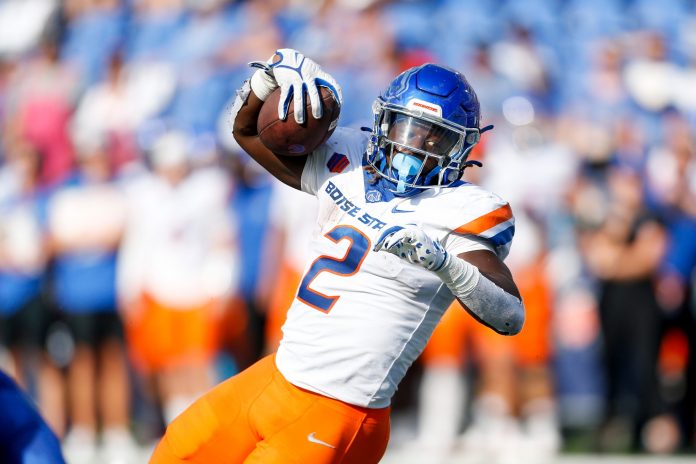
{"x":177,"y":266}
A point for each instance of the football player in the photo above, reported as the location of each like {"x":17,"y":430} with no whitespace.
{"x":398,"y":237}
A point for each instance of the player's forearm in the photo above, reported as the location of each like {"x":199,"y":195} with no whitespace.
{"x":483,"y":297}
{"x":247,"y":107}
{"x":244,"y":125}
{"x":478,"y":279}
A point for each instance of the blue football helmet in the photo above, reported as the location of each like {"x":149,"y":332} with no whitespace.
{"x":425,"y":124}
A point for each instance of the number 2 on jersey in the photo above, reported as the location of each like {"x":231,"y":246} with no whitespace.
{"x":345,"y":266}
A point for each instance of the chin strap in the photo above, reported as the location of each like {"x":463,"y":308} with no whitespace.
{"x":478,"y":164}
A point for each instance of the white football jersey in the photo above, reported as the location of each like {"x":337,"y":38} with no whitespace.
{"x":360,"y":318}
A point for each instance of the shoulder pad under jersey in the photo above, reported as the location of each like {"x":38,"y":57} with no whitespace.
{"x":482,"y":214}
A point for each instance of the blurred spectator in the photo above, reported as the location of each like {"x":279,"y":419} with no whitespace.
{"x":177,"y":268}
{"x":202,"y":75}
{"x":22,"y":22}
{"x":603,"y":85}
{"x":7,"y":68}
{"x":154,"y":24}
{"x":624,"y":253}
{"x":93,"y":31}
{"x":528,"y":141}
{"x":23,"y":255}
{"x":112,"y":111}
{"x":492,"y":87}
{"x":675,"y":191}
{"x":671,"y":168}
{"x":86,"y":218}
{"x":256,"y":33}
{"x":525,"y":62}
{"x":25,"y":317}
{"x":649,"y":78}
{"x":41,"y":97}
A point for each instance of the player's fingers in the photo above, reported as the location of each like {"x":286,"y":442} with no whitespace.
{"x":299,"y":102}
{"x":382,"y":238}
{"x":261,"y":65}
{"x":325,"y":80}
{"x":393,"y":243}
{"x":388,"y":243}
{"x":286,"y":92}
{"x":396,"y":241}
{"x":410,"y":236}
{"x":379,"y":245}
{"x":315,"y":100}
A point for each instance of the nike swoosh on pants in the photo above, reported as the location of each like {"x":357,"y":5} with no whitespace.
{"x":313,"y":439}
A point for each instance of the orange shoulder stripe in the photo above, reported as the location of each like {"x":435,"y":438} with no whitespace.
{"x":485,"y":222}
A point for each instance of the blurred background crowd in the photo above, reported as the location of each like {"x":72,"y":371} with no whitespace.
{"x":144,"y":257}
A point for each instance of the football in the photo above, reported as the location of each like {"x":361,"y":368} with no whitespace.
{"x":289,"y":138}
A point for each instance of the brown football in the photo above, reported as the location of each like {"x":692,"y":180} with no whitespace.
{"x":290,"y":138}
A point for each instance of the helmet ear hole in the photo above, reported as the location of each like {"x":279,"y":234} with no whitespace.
{"x":473,"y":138}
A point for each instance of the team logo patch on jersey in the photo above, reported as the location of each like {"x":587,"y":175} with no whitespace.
{"x":337,"y":163}
{"x":373,"y":196}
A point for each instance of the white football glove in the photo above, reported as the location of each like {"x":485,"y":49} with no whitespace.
{"x":293,"y":73}
{"x":413,"y":245}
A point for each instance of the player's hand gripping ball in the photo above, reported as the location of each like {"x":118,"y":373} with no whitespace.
{"x":414,"y":246}
{"x":292,"y":84}
{"x":290,"y":138}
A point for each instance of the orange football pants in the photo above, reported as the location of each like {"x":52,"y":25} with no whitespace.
{"x":259,"y":417}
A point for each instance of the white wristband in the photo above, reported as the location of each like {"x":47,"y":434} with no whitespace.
{"x":459,"y":276}
{"x":487,"y":302}
{"x":262,"y":84}
{"x":239,"y":100}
